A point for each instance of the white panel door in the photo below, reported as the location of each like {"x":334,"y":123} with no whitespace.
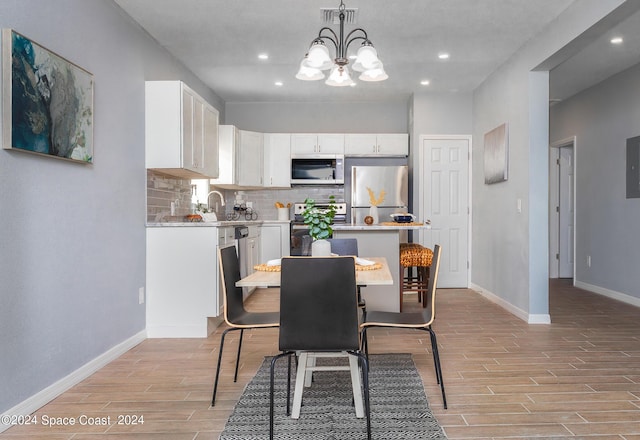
{"x":565,"y":254}
{"x":444,"y":182}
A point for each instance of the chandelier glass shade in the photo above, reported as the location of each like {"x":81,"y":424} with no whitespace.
{"x":318,"y":58}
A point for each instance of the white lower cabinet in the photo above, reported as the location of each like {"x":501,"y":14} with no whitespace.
{"x":253,"y":253}
{"x":182,"y":282}
{"x":275,"y":238}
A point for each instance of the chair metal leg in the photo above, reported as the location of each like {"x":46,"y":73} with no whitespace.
{"x":365,"y":385}
{"x":235,"y":376}
{"x":364,"y":343}
{"x":215,"y":382}
{"x":271,"y":386}
{"x":436,"y":355}
{"x":436,"y":360}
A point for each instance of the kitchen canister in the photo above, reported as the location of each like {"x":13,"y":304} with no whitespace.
{"x":283,"y":213}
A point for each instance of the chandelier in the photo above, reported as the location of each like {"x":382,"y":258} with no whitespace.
{"x":318,"y":58}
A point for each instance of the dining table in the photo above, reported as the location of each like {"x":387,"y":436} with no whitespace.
{"x":377,"y":274}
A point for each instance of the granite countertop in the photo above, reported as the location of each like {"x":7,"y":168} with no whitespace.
{"x":379,"y":227}
{"x":219,"y":223}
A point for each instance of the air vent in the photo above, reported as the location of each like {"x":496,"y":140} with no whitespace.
{"x":332,"y":15}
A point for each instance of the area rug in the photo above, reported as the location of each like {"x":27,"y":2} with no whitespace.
{"x":399,"y":407}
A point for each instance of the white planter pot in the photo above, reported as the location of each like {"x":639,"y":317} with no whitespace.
{"x":320,"y":248}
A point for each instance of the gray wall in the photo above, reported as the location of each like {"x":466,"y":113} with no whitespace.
{"x":607,"y":227}
{"x":72,"y":237}
{"x":319,"y":117}
{"x":510,"y":250}
{"x":436,"y":114}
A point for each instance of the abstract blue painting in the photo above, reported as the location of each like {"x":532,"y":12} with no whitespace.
{"x":47,"y":101}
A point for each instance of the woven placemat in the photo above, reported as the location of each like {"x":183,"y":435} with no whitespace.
{"x":401,"y":224}
{"x":267,"y":268}
{"x":373,"y":266}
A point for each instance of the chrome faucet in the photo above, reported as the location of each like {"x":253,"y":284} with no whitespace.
{"x":215,"y":192}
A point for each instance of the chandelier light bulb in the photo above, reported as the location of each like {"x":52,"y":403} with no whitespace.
{"x":318,"y":57}
{"x":309,"y":73}
{"x":373,"y":75}
{"x":339,"y":77}
{"x":366,"y":59}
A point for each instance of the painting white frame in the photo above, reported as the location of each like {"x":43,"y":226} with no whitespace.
{"x":47,"y":102}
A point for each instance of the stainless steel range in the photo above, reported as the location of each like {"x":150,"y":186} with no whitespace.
{"x":300,"y":239}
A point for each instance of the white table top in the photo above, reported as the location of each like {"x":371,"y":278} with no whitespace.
{"x":374,"y":277}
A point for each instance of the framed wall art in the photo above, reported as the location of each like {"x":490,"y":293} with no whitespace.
{"x":47,"y":101}
{"x":496,"y":155}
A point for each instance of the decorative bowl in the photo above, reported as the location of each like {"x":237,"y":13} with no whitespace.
{"x":403,"y":217}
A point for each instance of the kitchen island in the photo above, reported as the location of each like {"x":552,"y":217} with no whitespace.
{"x":183,"y":294}
{"x":380,"y":240}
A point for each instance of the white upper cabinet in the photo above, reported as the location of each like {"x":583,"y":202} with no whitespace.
{"x":277,"y":160}
{"x":310,"y":143}
{"x":392,"y":144}
{"x":249,"y":164}
{"x":240,"y":158}
{"x":227,"y":137}
{"x":181,"y":131}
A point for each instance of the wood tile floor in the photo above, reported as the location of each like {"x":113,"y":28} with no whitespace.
{"x":577,"y":378}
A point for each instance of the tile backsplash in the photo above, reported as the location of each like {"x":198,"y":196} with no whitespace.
{"x":163,"y":189}
{"x":264,"y":200}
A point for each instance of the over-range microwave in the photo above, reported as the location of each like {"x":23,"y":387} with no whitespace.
{"x":317,"y":169}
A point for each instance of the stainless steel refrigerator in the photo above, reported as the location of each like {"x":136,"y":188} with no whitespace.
{"x":369,"y":181}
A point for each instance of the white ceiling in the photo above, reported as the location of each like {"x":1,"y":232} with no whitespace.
{"x":219,"y":40}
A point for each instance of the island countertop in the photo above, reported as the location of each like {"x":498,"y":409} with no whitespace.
{"x":385,"y":226}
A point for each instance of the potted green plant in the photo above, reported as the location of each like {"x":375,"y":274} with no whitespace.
{"x":319,"y":222}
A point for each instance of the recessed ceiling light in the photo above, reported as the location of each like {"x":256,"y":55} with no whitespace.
{"x":263,"y":56}
{"x":424,"y":82}
{"x":279,"y":83}
{"x":617,"y":40}
{"x":443,"y":55}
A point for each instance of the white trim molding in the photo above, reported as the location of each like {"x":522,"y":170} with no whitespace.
{"x":525,"y":316}
{"x":45,"y":396}
{"x":619,"y":296}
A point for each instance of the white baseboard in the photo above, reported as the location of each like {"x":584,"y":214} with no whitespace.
{"x":619,"y":296}
{"x":528,"y":317}
{"x":178,"y":331}
{"x":45,"y":396}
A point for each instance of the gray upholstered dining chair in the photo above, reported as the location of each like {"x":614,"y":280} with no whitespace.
{"x":422,"y":320}
{"x":235,"y":315}
{"x":319,"y":314}
{"x":344,"y":246}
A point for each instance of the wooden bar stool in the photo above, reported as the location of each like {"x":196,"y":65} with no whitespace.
{"x":414,"y":255}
